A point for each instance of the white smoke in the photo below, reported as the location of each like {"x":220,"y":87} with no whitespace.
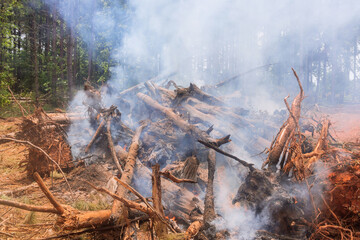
{"x":207,"y":41}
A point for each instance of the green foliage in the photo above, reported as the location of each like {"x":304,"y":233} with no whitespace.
{"x":6,"y":79}
{"x":17,"y":54}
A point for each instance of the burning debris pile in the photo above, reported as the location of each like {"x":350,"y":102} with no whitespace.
{"x":170,"y":156}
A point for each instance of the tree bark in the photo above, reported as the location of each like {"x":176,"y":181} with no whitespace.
{"x":209,"y":212}
{"x":35,"y":57}
{"x":285,"y":131}
{"x":54,"y":55}
{"x":62,"y":52}
{"x":69,"y":54}
{"x":91,"y":43}
{"x":160,"y":227}
{"x":119,"y":210}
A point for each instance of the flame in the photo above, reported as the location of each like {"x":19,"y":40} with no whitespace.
{"x":125,"y":147}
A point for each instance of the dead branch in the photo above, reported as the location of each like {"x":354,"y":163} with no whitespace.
{"x":6,"y":234}
{"x":127,"y":203}
{"x":311,"y":198}
{"x":66,"y":235}
{"x":48,"y":194}
{"x":41,"y":150}
{"x":226,"y":81}
{"x":17,"y":191}
{"x":22,"y":109}
{"x":94,"y":137}
{"x":330,"y":210}
{"x":168,"y":175}
{"x":111,"y":145}
{"x":28,"y":207}
{"x":143,"y":199}
{"x":244,"y":163}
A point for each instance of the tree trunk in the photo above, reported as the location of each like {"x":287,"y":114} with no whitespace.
{"x":69,"y":54}
{"x":54,"y":55}
{"x":75,"y":42}
{"x":355,"y":54}
{"x":91,"y":43}
{"x":62,"y":52}
{"x":35,"y":59}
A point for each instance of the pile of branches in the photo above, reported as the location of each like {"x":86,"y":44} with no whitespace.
{"x":170,"y":155}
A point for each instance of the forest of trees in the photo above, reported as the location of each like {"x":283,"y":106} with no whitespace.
{"x":43,"y":56}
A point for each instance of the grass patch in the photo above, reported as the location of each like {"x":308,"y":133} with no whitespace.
{"x":10,"y":163}
{"x":83,"y":205}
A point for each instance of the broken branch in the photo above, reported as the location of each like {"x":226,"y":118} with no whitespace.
{"x":48,"y":194}
{"x":244,"y":163}
{"x":28,"y":207}
{"x":168,"y":175}
{"x":111,"y":145}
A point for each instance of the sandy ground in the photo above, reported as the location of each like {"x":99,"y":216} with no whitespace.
{"x":345,"y":120}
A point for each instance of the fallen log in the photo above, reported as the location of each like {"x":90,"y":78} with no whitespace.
{"x":182,"y":124}
{"x":209,"y":212}
{"x":118,"y":210}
